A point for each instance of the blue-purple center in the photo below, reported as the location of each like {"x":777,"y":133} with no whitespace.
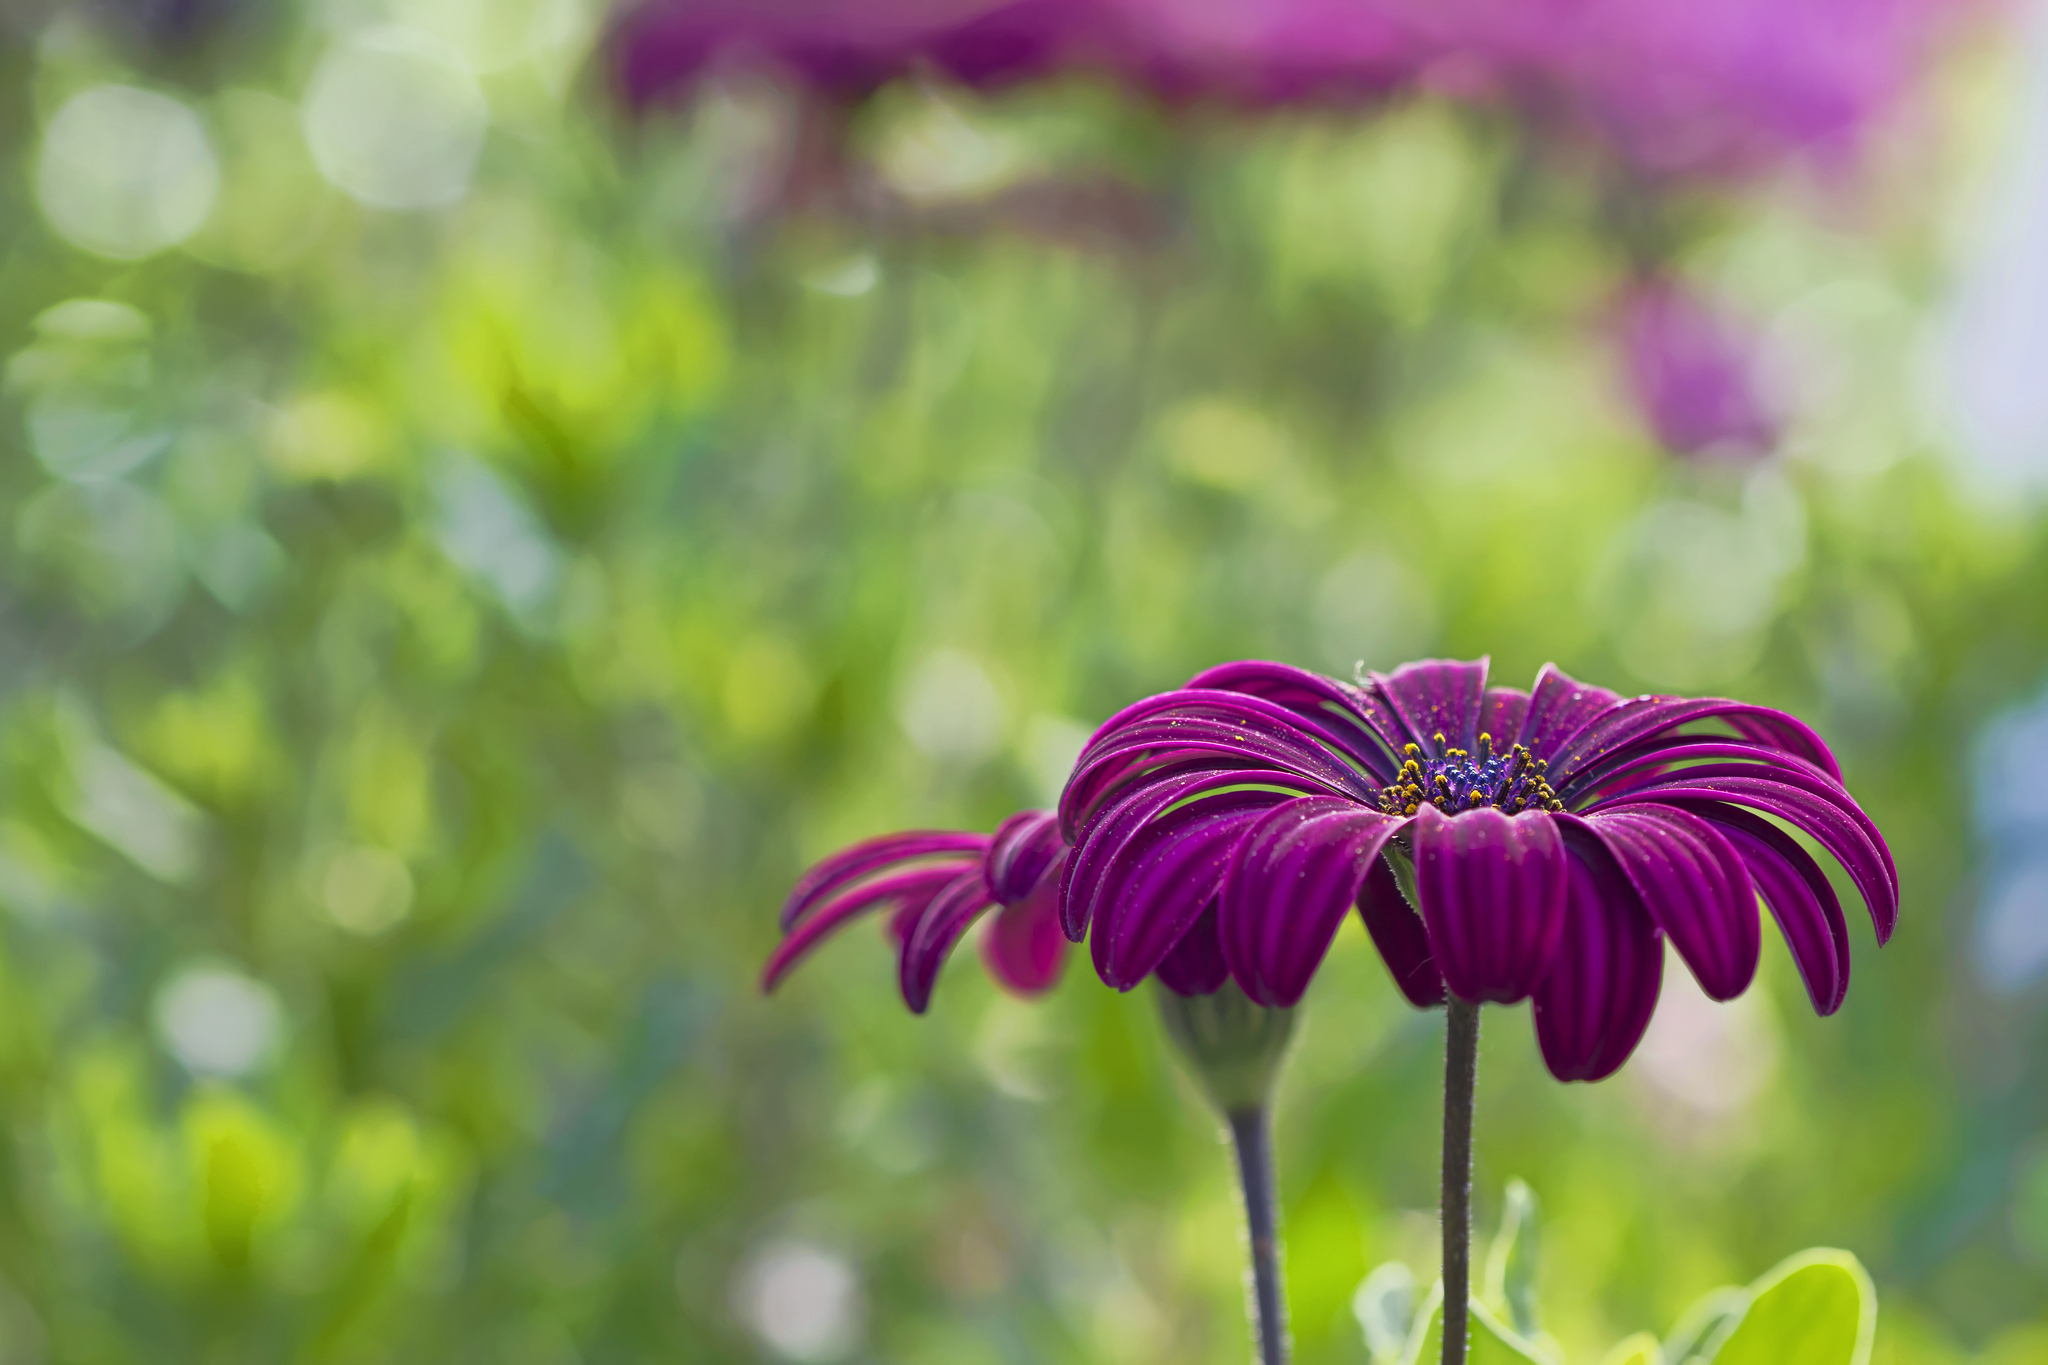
{"x":1455,"y":780}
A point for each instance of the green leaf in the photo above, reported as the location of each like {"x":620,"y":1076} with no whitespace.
{"x":1385,"y":1307}
{"x":1511,"y":1266}
{"x":1640,"y":1349}
{"x":1492,"y":1342}
{"x":1704,"y":1325}
{"x":1817,"y":1308}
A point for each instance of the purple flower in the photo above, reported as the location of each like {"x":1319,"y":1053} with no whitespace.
{"x":935,"y":885}
{"x":1550,"y":840}
{"x":1682,"y":86}
{"x":847,"y":48}
{"x":1692,"y":374}
{"x":1274,"y":52}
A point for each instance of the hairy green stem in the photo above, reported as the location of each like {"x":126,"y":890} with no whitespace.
{"x":1461,"y":1072}
{"x":1252,"y":1137}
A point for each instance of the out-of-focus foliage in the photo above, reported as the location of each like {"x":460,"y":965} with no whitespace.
{"x":466,"y":552}
{"x":1815,"y":1308}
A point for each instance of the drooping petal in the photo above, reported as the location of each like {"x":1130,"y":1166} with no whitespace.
{"x":1824,"y":811}
{"x":1337,"y":709}
{"x":1216,"y":730}
{"x":948,"y":916}
{"x":864,"y":859}
{"x":1602,"y":987}
{"x":1195,"y":965}
{"x":1650,"y":760}
{"x":1694,"y":885}
{"x":1397,"y":931}
{"x":1641,"y":718}
{"x":1437,"y":696}
{"x":1559,"y":707}
{"x":1023,"y":947}
{"x":1501,"y":713}
{"x":1296,"y":874}
{"x":1163,"y":878}
{"x":1492,"y":888}
{"x":909,"y":891}
{"x":1798,"y":894}
{"x":1107,"y":837}
{"x":1025,"y":848}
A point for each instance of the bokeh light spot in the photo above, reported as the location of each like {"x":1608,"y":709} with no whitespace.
{"x":801,"y":1299}
{"x":126,"y":172}
{"x":217,"y":1021}
{"x":394,"y":122}
{"x":367,"y":890}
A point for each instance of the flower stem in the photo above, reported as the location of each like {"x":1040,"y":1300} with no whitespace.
{"x":1251,"y":1135}
{"x":1461,"y":1072}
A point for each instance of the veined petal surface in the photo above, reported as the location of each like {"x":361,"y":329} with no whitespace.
{"x":1437,"y":695}
{"x":1597,"y":998}
{"x":1213,"y":729}
{"x":908,"y":891}
{"x":1798,"y":894}
{"x":962,"y":902}
{"x":1559,"y":707}
{"x":1025,"y":848}
{"x":1694,"y":885}
{"x":1492,"y":888}
{"x":1294,"y":876}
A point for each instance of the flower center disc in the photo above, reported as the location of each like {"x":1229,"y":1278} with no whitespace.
{"x":1457,"y":780}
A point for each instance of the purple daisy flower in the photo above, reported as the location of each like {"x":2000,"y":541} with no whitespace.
{"x":1501,"y":846}
{"x":935,"y":885}
{"x":1549,"y":842}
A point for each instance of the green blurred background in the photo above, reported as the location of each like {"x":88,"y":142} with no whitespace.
{"x":467,"y":550}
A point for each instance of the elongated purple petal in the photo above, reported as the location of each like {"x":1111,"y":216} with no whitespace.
{"x":1492,"y":888}
{"x":1026,"y":846}
{"x":1559,"y":707}
{"x":1501,"y":713}
{"x":1295,"y":875}
{"x":1337,"y":710}
{"x":1163,"y":878}
{"x":1694,"y":885}
{"x":1219,"y":730}
{"x":909,"y":891}
{"x":1602,"y":987}
{"x":1105,"y":841}
{"x":1023,"y":947}
{"x":1437,"y":695}
{"x":1641,"y":718}
{"x":1398,"y":933}
{"x":864,"y":859}
{"x":1798,"y":894}
{"x":1195,"y":965}
{"x":948,"y":916}
{"x":1653,"y":759}
{"x":1829,"y":816}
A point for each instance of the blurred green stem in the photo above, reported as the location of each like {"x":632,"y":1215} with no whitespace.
{"x":1236,"y":1050}
{"x":1252,"y":1136}
{"x":1461,"y":1073}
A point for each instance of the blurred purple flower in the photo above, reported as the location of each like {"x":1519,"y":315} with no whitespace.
{"x":1683,"y":86}
{"x":1692,"y":374}
{"x":1679,"y":86}
{"x":1275,"y":52}
{"x":936,"y":884}
{"x":844,"y":49}
{"x":1266,"y":801}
